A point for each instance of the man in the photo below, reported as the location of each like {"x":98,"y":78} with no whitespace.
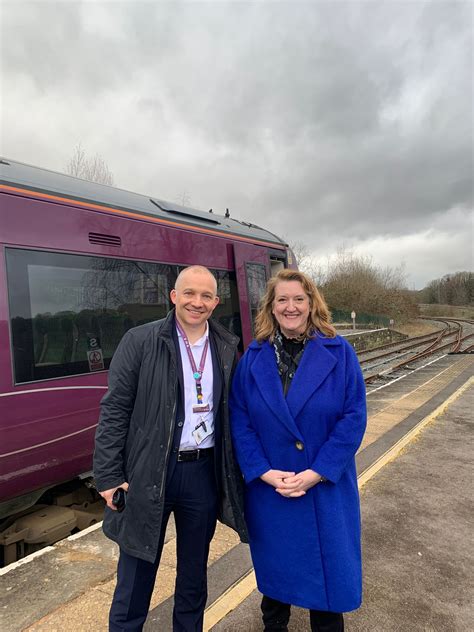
{"x":164,"y":436}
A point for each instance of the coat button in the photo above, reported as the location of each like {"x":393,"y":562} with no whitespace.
{"x":180,"y":423}
{"x":299,"y":445}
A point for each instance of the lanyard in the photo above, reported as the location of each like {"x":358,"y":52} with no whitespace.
{"x":197,"y":371}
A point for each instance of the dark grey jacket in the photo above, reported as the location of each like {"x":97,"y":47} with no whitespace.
{"x":135,"y":432}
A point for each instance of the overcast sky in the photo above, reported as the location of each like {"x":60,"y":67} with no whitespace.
{"x":327,"y":123}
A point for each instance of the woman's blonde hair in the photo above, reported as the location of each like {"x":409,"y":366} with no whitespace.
{"x":319,"y":316}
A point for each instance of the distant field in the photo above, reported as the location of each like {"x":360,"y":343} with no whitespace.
{"x":453,"y":311}
{"x":417,"y":328}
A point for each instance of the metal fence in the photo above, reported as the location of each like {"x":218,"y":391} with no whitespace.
{"x":340,"y":316}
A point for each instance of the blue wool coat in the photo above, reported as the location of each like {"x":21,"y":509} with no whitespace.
{"x":306,"y":550}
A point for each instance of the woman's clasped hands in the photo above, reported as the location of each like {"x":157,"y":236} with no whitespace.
{"x":291,"y":484}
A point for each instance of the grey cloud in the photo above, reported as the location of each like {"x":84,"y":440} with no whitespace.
{"x":317,"y":120}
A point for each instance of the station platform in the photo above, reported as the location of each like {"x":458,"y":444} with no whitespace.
{"x":418,"y":566}
{"x":417,"y":538}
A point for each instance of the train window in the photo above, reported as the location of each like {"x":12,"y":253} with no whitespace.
{"x":69,"y":312}
{"x":228,"y":310}
{"x":256,"y":286}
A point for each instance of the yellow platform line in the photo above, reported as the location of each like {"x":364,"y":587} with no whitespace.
{"x":396,"y":410}
{"x":390,"y":454}
{"x":229,"y":600}
{"x":244,"y":587}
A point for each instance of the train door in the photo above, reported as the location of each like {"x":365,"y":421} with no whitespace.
{"x":252,"y":270}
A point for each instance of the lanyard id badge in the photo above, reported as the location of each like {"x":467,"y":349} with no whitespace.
{"x":202,"y":431}
{"x":201,"y":409}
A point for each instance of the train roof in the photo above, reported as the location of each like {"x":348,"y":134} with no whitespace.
{"x":19,"y":175}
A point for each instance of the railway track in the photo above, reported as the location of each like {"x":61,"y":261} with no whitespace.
{"x":454,"y":336}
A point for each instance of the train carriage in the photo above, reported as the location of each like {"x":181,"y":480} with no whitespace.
{"x":81,"y":263}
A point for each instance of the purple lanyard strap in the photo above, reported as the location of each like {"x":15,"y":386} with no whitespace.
{"x":197,"y":371}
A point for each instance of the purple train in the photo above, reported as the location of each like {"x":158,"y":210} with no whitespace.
{"x":80,"y":264}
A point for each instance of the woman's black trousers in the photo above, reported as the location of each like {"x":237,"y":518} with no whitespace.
{"x":277,"y":614}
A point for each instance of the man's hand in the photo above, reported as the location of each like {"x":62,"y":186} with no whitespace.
{"x":107,"y":495}
{"x":275,"y":477}
{"x":298,"y":484}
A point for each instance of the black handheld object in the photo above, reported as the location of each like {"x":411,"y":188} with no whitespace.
{"x":119,"y":499}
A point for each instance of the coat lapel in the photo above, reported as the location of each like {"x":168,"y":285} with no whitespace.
{"x":265,"y":373}
{"x":315,"y":365}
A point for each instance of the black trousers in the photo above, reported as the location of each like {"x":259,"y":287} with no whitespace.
{"x":191,"y":494}
{"x":277,"y":614}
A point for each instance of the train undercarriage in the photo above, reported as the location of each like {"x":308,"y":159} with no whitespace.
{"x":58,"y":513}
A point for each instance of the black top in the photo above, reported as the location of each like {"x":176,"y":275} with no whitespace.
{"x":292,"y":345}
{"x":289,"y":352}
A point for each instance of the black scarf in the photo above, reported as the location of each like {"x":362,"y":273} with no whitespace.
{"x":288,"y":353}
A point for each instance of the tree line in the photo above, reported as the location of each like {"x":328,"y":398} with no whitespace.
{"x":350,"y":282}
{"x":452,"y":289}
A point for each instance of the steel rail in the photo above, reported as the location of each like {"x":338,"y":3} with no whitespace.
{"x":430,"y":350}
{"x":403,"y":348}
{"x":397,"y":342}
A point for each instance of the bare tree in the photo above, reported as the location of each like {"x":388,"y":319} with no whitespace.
{"x":355,"y":282}
{"x":183,"y":199}
{"x":89,"y":168}
{"x":452,"y":289}
{"x":301,"y":252}
{"x":306,"y":262}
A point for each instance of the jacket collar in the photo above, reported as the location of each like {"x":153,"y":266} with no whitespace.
{"x":220,"y":331}
{"x":315,"y":365}
{"x":265,"y":373}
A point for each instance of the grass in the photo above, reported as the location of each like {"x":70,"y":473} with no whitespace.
{"x":452,"y":311}
{"x":417,"y":328}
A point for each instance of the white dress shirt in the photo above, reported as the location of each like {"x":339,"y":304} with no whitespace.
{"x":192,"y":419}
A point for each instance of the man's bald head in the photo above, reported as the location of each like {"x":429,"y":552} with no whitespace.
{"x":197,"y":271}
{"x":195,"y":298}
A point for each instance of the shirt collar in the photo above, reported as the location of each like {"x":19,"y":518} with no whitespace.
{"x":201,"y":341}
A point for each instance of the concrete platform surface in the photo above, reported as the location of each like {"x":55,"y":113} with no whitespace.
{"x":417,"y":538}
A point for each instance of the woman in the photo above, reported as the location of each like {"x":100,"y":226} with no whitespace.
{"x":298,"y":415}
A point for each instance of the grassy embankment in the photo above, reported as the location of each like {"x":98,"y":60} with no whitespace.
{"x":420,"y":327}
{"x":451,"y":311}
